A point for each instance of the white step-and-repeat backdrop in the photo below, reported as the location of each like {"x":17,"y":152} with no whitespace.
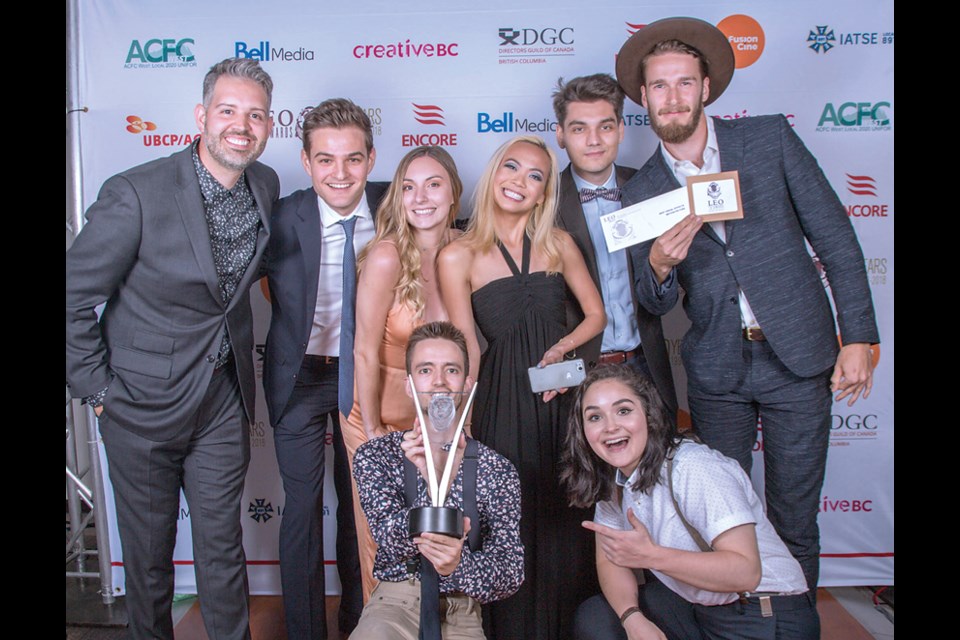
{"x":468,"y":76}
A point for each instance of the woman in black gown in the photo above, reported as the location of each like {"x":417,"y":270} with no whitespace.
{"x":509,"y":274}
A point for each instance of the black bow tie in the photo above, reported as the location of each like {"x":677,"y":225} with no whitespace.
{"x":586,"y":195}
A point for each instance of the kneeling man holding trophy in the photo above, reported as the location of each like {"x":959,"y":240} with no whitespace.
{"x":443,"y":508}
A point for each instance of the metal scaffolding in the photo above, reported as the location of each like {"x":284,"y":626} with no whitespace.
{"x":84,"y":485}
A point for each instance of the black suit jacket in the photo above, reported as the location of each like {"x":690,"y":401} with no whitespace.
{"x":145,"y":251}
{"x":786,"y":200}
{"x":571,"y":219}
{"x":293,"y":272}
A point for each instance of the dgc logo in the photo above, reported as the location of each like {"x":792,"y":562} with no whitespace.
{"x":157,"y":51}
{"x":550,"y":35}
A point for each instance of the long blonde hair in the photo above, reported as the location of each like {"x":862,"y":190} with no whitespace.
{"x":481,"y":233}
{"x":392,"y":226}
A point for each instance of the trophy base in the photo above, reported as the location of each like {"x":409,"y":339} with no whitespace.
{"x":445,"y":520}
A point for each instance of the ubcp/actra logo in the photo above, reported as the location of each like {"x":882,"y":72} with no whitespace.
{"x":136,"y":125}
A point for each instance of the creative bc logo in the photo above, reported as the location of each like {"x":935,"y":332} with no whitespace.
{"x":263,"y":52}
{"x":430,"y":115}
{"x":856,"y":116}
{"x":160,"y":53}
{"x":528,"y":45}
{"x":136,"y":125}
{"x":259,"y":511}
{"x":746,"y":38}
{"x":406,"y":49}
{"x":823,"y":38}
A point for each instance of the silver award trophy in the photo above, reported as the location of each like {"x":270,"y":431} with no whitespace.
{"x":437,"y":518}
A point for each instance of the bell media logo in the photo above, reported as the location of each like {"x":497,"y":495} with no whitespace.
{"x":158,"y":53}
{"x":137,"y":125}
{"x":259,"y":511}
{"x":508,"y":123}
{"x":528,"y":45}
{"x":430,"y":115}
{"x":855,"y":116}
{"x":263,"y":52}
{"x":823,"y":38}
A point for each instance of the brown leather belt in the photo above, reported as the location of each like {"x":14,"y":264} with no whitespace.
{"x":754,"y":334}
{"x":617,"y":357}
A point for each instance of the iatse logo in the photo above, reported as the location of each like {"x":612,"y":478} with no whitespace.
{"x":823,"y":38}
{"x":529,"y":45}
{"x":260,"y":510}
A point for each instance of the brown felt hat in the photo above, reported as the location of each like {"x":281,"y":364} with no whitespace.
{"x":697,"y":33}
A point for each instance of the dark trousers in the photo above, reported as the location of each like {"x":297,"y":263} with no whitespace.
{"x":795,"y":416}
{"x":794,"y":618}
{"x":300,"y":439}
{"x":208,"y":459}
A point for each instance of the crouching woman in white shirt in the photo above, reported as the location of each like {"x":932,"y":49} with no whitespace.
{"x":737,"y":582}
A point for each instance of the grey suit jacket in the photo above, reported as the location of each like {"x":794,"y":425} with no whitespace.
{"x":145,"y":251}
{"x":786,"y":200}
{"x":571,"y":218}
{"x":293,"y":272}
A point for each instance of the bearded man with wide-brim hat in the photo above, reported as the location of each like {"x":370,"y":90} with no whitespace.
{"x":763,"y":340}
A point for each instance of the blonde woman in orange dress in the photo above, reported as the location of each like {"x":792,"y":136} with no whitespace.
{"x":397,"y":291}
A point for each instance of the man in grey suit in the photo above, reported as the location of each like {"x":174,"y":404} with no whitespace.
{"x":589,"y":112}
{"x":171,"y":247}
{"x":309,"y":353}
{"x":763,"y":340}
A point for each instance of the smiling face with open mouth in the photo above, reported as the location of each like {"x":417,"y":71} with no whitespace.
{"x":520,"y":180}
{"x":615,"y":424}
{"x":427,"y":194}
{"x":235,"y":125}
{"x":338,"y":164}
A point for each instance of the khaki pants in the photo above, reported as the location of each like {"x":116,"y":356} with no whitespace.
{"x":393,"y":613}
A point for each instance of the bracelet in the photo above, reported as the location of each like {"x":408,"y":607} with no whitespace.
{"x":629,"y":612}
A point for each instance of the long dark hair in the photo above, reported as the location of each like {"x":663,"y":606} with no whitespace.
{"x":587,"y":478}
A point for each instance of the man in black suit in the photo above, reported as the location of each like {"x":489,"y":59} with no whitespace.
{"x":172,"y":247}
{"x":310,"y":272}
{"x":762,"y":340}
{"x":589,"y":112}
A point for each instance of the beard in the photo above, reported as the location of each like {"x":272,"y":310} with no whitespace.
{"x":231,"y":158}
{"x":676,"y":132}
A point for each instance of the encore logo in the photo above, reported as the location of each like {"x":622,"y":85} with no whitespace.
{"x":430,"y":115}
{"x":866,"y":187}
